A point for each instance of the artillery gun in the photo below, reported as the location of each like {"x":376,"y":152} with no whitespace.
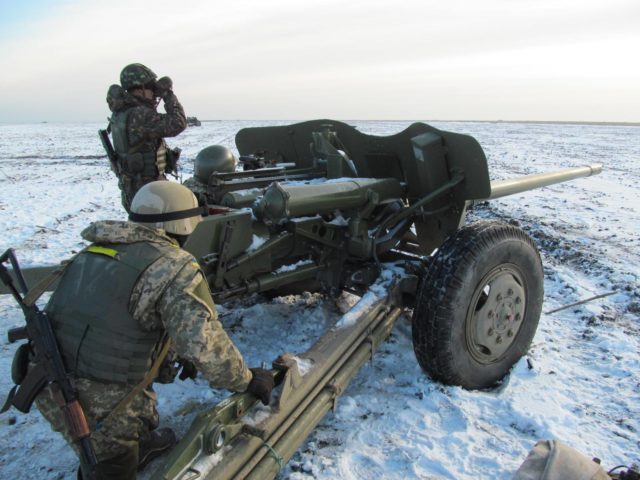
{"x":382,"y":217}
{"x":332,"y":210}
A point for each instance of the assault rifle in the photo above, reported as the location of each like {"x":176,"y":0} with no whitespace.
{"x":111,"y":153}
{"x":47,"y":369}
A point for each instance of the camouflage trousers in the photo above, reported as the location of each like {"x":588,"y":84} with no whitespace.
{"x":113,"y":436}
{"x":130,"y":184}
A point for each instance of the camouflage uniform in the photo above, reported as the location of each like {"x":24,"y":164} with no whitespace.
{"x":145,"y":131}
{"x":172,"y":296}
{"x":200,"y":190}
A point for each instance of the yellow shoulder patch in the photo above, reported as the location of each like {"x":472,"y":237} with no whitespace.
{"x":109,"y":252}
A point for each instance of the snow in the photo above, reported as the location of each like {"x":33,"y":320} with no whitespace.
{"x":578,"y":383}
{"x":293,"y":266}
{"x":376,"y":292}
{"x":339,"y":220}
{"x":256,"y":242}
{"x":206,"y":463}
{"x":305,"y":365}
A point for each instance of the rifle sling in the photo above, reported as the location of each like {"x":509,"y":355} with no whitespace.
{"x":43,"y":285}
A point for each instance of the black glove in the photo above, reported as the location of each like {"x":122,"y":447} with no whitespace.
{"x":261,"y":384}
{"x":164,"y":86}
{"x":168,"y":369}
{"x":189,"y":370}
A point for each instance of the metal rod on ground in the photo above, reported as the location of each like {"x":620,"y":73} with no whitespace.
{"x":9,"y":177}
{"x":48,"y":228}
{"x":603,"y":295}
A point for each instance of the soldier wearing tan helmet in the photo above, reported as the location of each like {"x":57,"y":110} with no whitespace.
{"x":139,"y":131}
{"x":120,"y":306}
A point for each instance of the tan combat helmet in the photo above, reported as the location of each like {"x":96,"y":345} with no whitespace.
{"x":167,"y":205}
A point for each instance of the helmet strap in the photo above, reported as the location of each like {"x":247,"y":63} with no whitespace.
{"x":167,"y":217}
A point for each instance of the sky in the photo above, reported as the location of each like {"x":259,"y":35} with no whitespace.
{"x":557,"y":60}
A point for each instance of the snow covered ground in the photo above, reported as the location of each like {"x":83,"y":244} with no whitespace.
{"x":579,"y":382}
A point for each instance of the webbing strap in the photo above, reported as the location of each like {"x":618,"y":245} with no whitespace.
{"x":146,"y":381}
{"x":43,"y":285}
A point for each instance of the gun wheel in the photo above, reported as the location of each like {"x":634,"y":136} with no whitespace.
{"x":478,"y":306}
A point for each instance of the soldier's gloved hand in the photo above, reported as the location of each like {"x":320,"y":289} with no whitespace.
{"x":189,"y":370}
{"x":261,"y":384}
{"x":168,"y":370}
{"x":164,"y":86}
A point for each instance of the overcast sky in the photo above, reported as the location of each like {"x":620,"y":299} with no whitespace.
{"x":345,"y":59}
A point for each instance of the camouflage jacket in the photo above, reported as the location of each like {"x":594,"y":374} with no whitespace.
{"x":200,"y":190}
{"x":146,"y":127}
{"x":184,"y":308}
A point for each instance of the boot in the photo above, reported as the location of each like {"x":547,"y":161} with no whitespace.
{"x":120,"y":467}
{"x":154,"y":444}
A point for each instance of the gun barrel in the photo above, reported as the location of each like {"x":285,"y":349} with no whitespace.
{"x":529,"y":182}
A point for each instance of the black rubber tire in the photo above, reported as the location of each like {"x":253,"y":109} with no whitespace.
{"x":449,"y":298}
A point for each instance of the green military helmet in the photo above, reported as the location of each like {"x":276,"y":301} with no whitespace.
{"x":167,"y":205}
{"x":136,"y":75}
{"x":215,"y":158}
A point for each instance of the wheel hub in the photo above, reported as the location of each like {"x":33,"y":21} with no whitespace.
{"x":495,"y":314}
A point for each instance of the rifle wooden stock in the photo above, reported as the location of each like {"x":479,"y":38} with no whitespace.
{"x":76,"y":421}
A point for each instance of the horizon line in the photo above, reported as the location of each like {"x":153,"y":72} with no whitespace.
{"x":570,"y":122}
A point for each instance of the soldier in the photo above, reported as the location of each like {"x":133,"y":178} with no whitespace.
{"x":212,"y":159}
{"x":139,"y":130}
{"x":120,"y":304}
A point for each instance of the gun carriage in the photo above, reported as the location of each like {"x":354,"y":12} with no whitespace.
{"x":322,"y":206}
